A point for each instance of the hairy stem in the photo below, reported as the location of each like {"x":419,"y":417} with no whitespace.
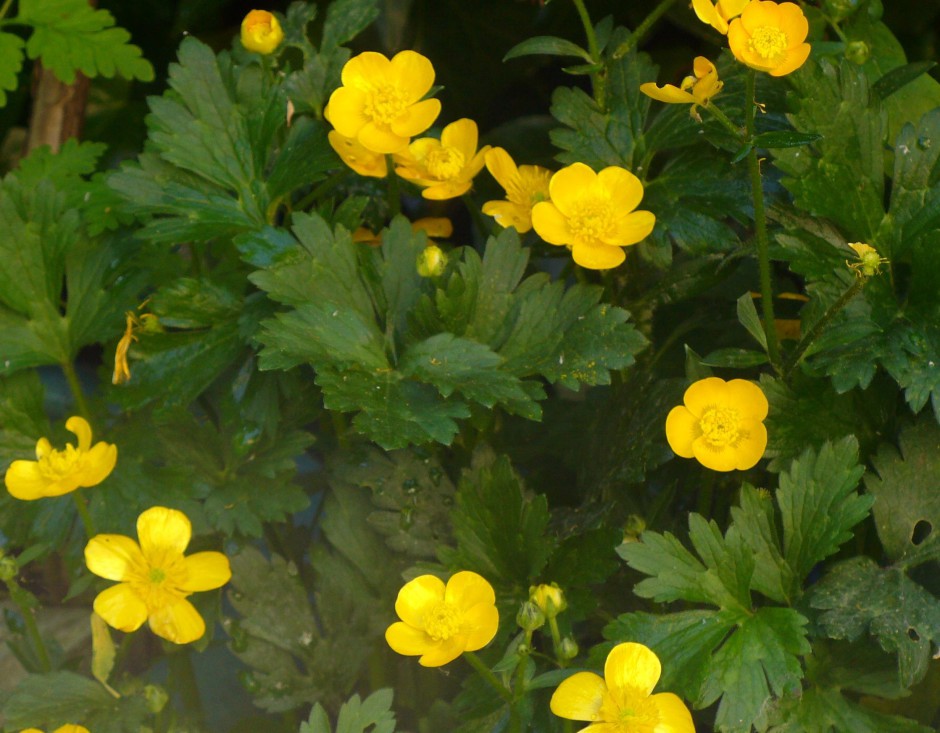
{"x":71,"y":376}
{"x":598,"y":78}
{"x":487,"y":674}
{"x":643,"y":28}
{"x":84,"y":514}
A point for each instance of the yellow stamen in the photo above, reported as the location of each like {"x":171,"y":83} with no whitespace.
{"x":445,"y":163}
{"x":768,"y":42}
{"x":442,"y":621}
{"x":720,"y":426}
{"x":385,"y":104}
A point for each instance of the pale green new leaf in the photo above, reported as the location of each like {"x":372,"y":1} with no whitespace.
{"x":11,"y":61}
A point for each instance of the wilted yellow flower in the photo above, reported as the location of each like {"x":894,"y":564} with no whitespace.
{"x":440,"y":622}
{"x":58,"y":472}
{"x":869,"y":261}
{"x":720,"y":424}
{"x":147,"y":322}
{"x":549,"y":598}
{"x":261,"y":32}
{"x":622,"y":701}
{"x":593,"y":213}
{"x":380,"y":104}
{"x":770,"y":37}
{"x":697,"y":89}
{"x":525,"y":186}
{"x":67,"y":728}
{"x":357,"y":156}
{"x":720,"y":14}
{"x":155,"y":577}
{"x":444,"y":168}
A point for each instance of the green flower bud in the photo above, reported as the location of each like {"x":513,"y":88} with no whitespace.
{"x":858,"y":52}
{"x":530,"y":616}
{"x":8,"y":568}
{"x":841,"y":9}
{"x":568,"y":649}
{"x":549,"y":598}
{"x":156,"y":698}
{"x":432,"y":261}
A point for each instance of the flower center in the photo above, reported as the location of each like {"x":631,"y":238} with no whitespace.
{"x":59,"y":463}
{"x":591,"y":220}
{"x":442,"y":621}
{"x":158,"y":584}
{"x":444,"y":163}
{"x":768,"y":42}
{"x":385,"y":104}
{"x":629,"y":711}
{"x":720,"y":426}
{"x":157,"y":576}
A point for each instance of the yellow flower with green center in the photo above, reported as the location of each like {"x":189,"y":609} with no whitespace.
{"x":67,"y":728}
{"x":439,"y":621}
{"x":696,"y":90}
{"x":357,"y":156}
{"x":720,"y":424}
{"x":261,"y":32}
{"x":869,"y":261}
{"x":445,"y":168}
{"x":525,"y":186}
{"x":593,"y":214}
{"x":718,"y":15}
{"x":380,"y":104}
{"x":770,"y":37}
{"x":155,"y":576}
{"x":622,"y":701}
{"x":57,"y":472}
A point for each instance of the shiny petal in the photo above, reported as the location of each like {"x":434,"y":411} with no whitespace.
{"x":550,"y":224}
{"x":745,"y":397}
{"x":795,"y":58}
{"x":674,"y":716}
{"x":750,"y":449}
{"x":443,"y":652}
{"x":411,"y":73}
{"x":738,"y":39}
{"x":434,"y":226}
{"x":758,"y":14}
{"x":178,"y":622}
{"x":717,"y":459}
{"x":702,"y":67}
{"x":407,"y":640}
{"x":624,"y":188}
{"x":708,"y":13}
{"x":703,"y":394}
{"x":417,"y":118}
{"x":121,"y":608}
{"x":113,"y":556}
{"x":502,"y":167}
{"x":597,"y":256}
{"x":97,"y":464}
{"x":68,"y":728}
{"x":466,"y":589}
{"x":482,"y":623}
{"x":43,"y":447}
{"x":416,"y":597}
{"x":790,"y":20}
{"x":82,"y":430}
{"x":206,"y":571}
{"x":568,"y":186}
{"x":681,"y":431}
{"x":380,"y":139}
{"x":347,"y":111}
{"x":508,"y":214}
{"x":161,"y":530}
{"x":632,"y":666}
{"x":669,"y":93}
{"x":25,"y":481}
{"x":579,"y":697}
{"x":365,"y":71}
{"x":447,"y":190}
{"x":632,"y":228}
{"x":463,"y":135}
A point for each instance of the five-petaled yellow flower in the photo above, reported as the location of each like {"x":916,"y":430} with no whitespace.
{"x":440,"y":622}
{"x":525,"y":186}
{"x":444,"y":168}
{"x":57,"y":472}
{"x":357,"y":156}
{"x":696,"y":90}
{"x":380,"y":103}
{"x":67,"y":728}
{"x":593,"y":213}
{"x":720,"y":424}
{"x":720,"y":14}
{"x":155,"y":577}
{"x":622,"y":701}
{"x":770,"y":37}
{"x":261,"y":32}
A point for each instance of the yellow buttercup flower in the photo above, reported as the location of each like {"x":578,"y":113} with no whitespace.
{"x":525,"y":186}
{"x":593,"y":213}
{"x":67,"y":728}
{"x":622,"y":701}
{"x":720,"y":424}
{"x":444,"y":168}
{"x":357,"y":156}
{"x":155,"y":577}
{"x":261,"y":32}
{"x":58,"y":472}
{"x":720,"y":14}
{"x":696,"y":90}
{"x":440,"y":622}
{"x":380,"y":103}
{"x":549,"y":598}
{"x":770,"y":37}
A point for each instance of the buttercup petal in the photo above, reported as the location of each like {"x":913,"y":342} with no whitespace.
{"x":466,"y":589}
{"x":482,"y":622}
{"x":568,"y":186}
{"x":722,"y":458}
{"x":632,"y":666}
{"x":738,"y":39}
{"x":702,"y":67}
{"x":502,"y":167}
{"x":446,"y":190}
{"x":164,"y":531}
{"x":417,"y":118}
{"x":668,"y":93}
{"x":703,"y":394}
{"x":206,"y":571}
{"x":674,"y":716}
{"x":745,"y":397}
{"x":632,"y":228}
{"x":708,"y":13}
{"x":347,"y":111}
{"x":70,"y":728}
{"x":365,"y":71}
{"x":579,"y":697}
{"x":597,"y":256}
{"x":795,"y":58}
{"x":380,"y":139}
{"x":759,"y":13}
{"x":364,"y":162}
{"x":178,"y":622}
{"x":463,"y":135}
{"x":113,"y":556}
{"x":444,"y":652}
{"x":82,"y":430}
{"x":98,"y":464}
{"x":411,"y":73}
{"x":750,"y":449}
{"x":416,"y":596}
{"x":624,"y":188}
{"x":121,"y":608}
{"x":682,"y":429}
{"x":407,"y":640}
{"x":551,"y":224}
{"x":25,"y":481}
{"x":434,"y":226}
{"x":790,"y":20}
{"x":508,"y":214}
{"x":43,"y":447}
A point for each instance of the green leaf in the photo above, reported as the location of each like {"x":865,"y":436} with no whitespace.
{"x":858,"y":597}
{"x":374,"y":714}
{"x":900,"y":77}
{"x":11,"y":61}
{"x":827,"y":710}
{"x":734,"y":358}
{"x":548,"y":45}
{"x":747,"y":316}
{"x":906,"y":497}
{"x":70,"y":36}
{"x":756,"y":519}
{"x":785,"y":139}
{"x":346,"y":19}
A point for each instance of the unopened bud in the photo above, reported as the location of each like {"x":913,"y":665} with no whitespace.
{"x":549,"y":598}
{"x":858,"y":52}
{"x":8,"y":568}
{"x":568,"y":649}
{"x":633,"y":528}
{"x":431,"y":261}
{"x":156,"y":698}
{"x":530,"y":616}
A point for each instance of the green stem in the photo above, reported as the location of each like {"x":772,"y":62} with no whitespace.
{"x":598,"y":78}
{"x":487,"y":674}
{"x":797,"y":356}
{"x":76,"y":388}
{"x":328,"y":185}
{"x":723,"y":119}
{"x":760,"y":224}
{"x":643,"y":28}
{"x":394,"y":194}
{"x":32,"y":629}
{"x":84,"y":514}
{"x":5,"y":8}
